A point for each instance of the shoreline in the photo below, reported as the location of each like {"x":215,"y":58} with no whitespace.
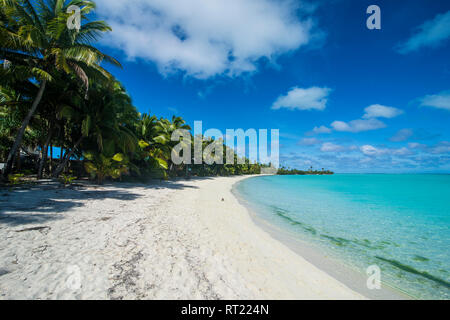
{"x":183,"y":239}
{"x":267,"y":264}
{"x":336,"y":268}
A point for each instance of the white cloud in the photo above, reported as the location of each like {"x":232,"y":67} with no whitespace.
{"x":358,"y":125}
{"x":313,"y":98}
{"x":368,"y":122}
{"x":321,"y":129}
{"x":402,"y":135}
{"x":402,"y":152}
{"x":379,"y":111}
{"x":415,"y":145}
{"x":440,"y":101}
{"x":432,"y":33}
{"x":331,"y":147}
{"x":205,"y":38}
{"x":369,"y":150}
{"x":441,"y":148}
{"x":308,"y":142}
{"x":371,"y":158}
{"x":372,"y":151}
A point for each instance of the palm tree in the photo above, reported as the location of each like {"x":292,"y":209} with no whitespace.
{"x":59,"y":94}
{"x":165,"y":129}
{"x":10,"y":112}
{"x":36,"y":42}
{"x":104,"y":123}
{"x":155,"y":141}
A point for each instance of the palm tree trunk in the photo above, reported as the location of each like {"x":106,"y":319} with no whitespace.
{"x":19,"y":137}
{"x":67,"y":157}
{"x":44,"y":154}
{"x":18,"y":160}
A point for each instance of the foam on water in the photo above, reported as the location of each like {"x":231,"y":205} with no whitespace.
{"x":399,"y":222}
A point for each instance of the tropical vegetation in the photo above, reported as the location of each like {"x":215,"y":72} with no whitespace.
{"x":57,"y":96}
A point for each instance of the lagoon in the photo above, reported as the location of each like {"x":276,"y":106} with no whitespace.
{"x":400,"y":223}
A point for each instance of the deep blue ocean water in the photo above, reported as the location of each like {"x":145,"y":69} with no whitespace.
{"x":399,"y":222}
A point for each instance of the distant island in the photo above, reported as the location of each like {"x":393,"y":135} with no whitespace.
{"x":288,"y":171}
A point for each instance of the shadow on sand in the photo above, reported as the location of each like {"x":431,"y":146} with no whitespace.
{"x":39,"y":203}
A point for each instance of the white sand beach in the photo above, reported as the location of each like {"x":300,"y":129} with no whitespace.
{"x":167,"y":240}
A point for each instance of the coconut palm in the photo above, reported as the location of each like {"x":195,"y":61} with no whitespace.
{"x":59,"y":94}
{"x":36,"y":43}
{"x":104,"y":123}
{"x":165,"y":128}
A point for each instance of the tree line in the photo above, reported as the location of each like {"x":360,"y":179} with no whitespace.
{"x":288,"y":171}
{"x":56,"y":94}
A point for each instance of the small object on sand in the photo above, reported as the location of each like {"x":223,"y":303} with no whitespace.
{"x":3,"y":272}
{"x":223,"y":199}
{"x":33,"y":229}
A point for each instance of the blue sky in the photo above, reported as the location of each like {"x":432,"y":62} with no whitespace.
{"x":344,"y":97}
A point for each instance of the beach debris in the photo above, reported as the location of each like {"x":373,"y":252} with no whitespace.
{"x":3,"y":272}
{"x":34,"y":229}
{"x":125,"y":277}
{"x":40,"y":249}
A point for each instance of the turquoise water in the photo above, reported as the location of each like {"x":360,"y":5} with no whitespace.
{"x":399,"y":222}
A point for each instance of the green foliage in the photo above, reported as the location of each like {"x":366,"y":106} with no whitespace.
{"x":83,"y":111}
{"x":143,"y":144}
{"x":101,"y":167}
{"x":67,"y":179}
{"x":15,"y":179}
{"x":37,"y":42}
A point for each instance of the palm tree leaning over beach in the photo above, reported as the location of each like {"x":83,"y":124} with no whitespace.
{"x":54,"y":93}
{"x":36,"y":43}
